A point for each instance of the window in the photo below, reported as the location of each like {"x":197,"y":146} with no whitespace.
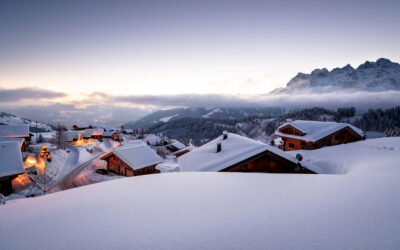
{"x":291,"y":145}
{"x":336,"y":138}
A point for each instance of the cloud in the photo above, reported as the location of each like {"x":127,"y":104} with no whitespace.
{"x":359,"y":99}
{"x":15,"y":95}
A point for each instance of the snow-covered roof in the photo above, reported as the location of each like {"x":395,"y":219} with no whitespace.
{"x":152,"y":139}
{"x":133,"y":143}
{"x":12,"y":131}
{"x":235,"y":149}
{"x":137,"y":156}
{"x":71,"y":135}
{"x":98,"y":131}
{"x":11,"y":158}
{"x":177,"y":144}
{"x":188,"y":148}
{"x":87,"y":132}
{"x":315,"y":130}
{"x":108,"y":133}
{"x":19,"y":140}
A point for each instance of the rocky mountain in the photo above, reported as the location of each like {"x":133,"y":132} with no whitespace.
{"x":381,"y":75}
{"x":221,"y":113}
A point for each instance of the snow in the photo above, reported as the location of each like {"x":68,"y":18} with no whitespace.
{"x":188,"y":148}
{"x":152,"y":139}
{"x":315,"y":130}
{"x":11,"y":159}
{"x":19,"y":140}
{"x":14,"y":120}
{"x":169,"y":165}
{"x":71,"y":135}
{"x":218,"y":211}
{"x":213,"y":111}
{"x":9,"y":131}
{"x":133,"y":143}
{"x":166,"y":119}
{"x":235,"y":149}
{"x":177,"y":144}
{"x":98,"y":131}
{"x":207,"y":210}
{"x":136,"y":156}
{"x":362,"y":156}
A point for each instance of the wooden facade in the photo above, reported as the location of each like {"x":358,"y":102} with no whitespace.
{"x":267,"y":162}
{"x":182,"y":152}
{"x":345,"y":135}
{"x":6,"y":184}
{"x":118,"y":166}
{"x":98,"y":137}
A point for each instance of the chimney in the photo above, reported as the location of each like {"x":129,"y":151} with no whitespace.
{"x":219,"y":147}
{"x":225,"y":135}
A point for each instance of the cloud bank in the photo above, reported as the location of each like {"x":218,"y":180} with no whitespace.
{"x":21,"y":94}
{"x":99,"y":107}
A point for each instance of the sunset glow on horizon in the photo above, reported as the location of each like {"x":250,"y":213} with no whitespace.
{"x":167,"y":48}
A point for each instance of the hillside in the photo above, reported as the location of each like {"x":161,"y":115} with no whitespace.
{"x":220,"y":113}
{"x":10,"y":119}
{"x":224,"y":210}
{"x":381,"y":75}
{"x":259,"y":127}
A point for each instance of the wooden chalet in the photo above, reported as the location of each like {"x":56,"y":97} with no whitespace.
{"x":128,"y":131}
{"x":175,"y":145}
{"x":132,"y":160}
{"x":114,"y":135}
{"x":81,"y":126}
{"x":234,"y":153}
{"x":98,"y":134}
{"x":301,"y":134}
{"x":16,"y":131}
{"x":183,"y":151}
{"x":11,"y":165}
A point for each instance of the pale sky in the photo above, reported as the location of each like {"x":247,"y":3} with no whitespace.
{"x":178,"y":47}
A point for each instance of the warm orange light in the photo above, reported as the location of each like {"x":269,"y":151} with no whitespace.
{"x":21,"y":180}
{"x":82,"y":142}
{"x":40,"y":164}
{"x":30,"y":161}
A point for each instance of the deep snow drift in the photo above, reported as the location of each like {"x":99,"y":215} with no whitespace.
{"x":357,"y":210}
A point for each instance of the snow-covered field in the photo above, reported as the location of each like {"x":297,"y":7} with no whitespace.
{"x":356,"y":210}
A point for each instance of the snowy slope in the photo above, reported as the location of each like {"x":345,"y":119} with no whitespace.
{"x":381,"y":155}
{"x":10,"y":119}
{"x":358,"y":210}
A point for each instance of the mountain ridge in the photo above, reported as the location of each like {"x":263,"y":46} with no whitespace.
{"x":381,"y":75}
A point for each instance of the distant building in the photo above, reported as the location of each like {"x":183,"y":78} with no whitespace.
{"x":128,"y":131}
{"x":183,"y":151}
{"x":11,"y":165}
{"x":234,"y":153}
{"x":98,"y":134}
{"x":16,"y":131}
{"x":81,"y":126}
{"x":132,"y":160}
{"x":301,"y":134}
{"x":175,"y":145}
{"x":114,"y":135}
{"x":71,"y":136}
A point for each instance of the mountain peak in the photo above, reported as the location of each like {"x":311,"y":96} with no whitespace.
{"x":381,"y":75}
